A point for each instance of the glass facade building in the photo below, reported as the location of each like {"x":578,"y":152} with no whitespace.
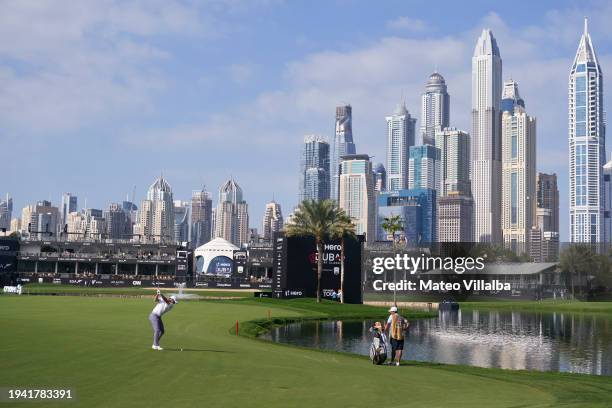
{"x":417,"y":208}
{"x":400,"y":137}
{"x":314,"y":169}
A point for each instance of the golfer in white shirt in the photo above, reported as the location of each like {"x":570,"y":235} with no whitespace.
{"x":164,"y":305}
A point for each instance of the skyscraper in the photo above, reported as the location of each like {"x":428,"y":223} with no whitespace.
{"x":156,"y":216}
{"x":435,"y":108}
{"x":423,"y":167}
{"x":547,"y":195}
{"x":182,"y":217}
{"x":416,"y":208}
{"x":314,"y":169}
{"x":6,"y":213}
{"x":518,"y":170}
{"x":587,"y":144}
{"x":454,"y":146}
{"x":201,"y":217}
{"x":40,"y":220}
{"x":400,"y":136}
{"x":545,"y":234}
{"x":486,"y":138}
{"x":455,"y":204}
{"x":343,"y":145}
{"x":118,"y":223}
{"x":607,"y":183}
{"x":380,"y":177}
{"x":232,"y":215}
{"x":272,"y":220}
{"x":69,"y":204}
{"x":357,"y":193}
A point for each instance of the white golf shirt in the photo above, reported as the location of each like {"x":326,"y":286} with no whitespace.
{"x":162,"y":307}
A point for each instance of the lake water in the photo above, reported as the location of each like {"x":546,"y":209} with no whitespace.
{"x":577,"y":343}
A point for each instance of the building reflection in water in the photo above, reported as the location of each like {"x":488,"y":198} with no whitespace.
{"x":579,"y":343}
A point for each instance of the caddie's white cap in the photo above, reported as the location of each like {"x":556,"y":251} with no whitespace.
{"x":393,"y":309}
{"x":174,"y":298}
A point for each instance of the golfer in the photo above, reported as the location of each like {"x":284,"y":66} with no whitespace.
{"x":164,"y":305}
{"x":396,"y":325}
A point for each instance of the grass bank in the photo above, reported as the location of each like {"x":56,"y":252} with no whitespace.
{"x":308,"y":309}
{"x":100,"y":347}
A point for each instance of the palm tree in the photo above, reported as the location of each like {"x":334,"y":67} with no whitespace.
{"x":576,"y":260}
{"x":343,"y":229}
{"x":392,"y":225}
{"x":317,"y":219}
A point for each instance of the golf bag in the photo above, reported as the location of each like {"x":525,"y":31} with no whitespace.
{"x":378,"y":349}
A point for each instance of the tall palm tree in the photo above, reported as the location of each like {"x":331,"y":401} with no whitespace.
{"x":343,"y":229}
{"x":317,"y":219}
{"x":393,"y":225}
{"x":576,"y":260}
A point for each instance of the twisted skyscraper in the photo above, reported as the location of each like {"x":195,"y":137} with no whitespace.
{"x":343,"y":145}
{"x":587,"y":145}
{"x":486,"y":138}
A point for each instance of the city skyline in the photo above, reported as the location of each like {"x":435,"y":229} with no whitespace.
{"x":545,"y":73}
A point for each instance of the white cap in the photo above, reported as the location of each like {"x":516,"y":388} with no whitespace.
{"x":174,"y":298}
{"x":393,"y":309}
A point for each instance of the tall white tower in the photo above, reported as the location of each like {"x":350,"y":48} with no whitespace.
{"x":486,"y":138}
{"x":400,"y":136}
{"x":435,"y":108}
{"x":272,"y":220}
{"x":587,"y":144}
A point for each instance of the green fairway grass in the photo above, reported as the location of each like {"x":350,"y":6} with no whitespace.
{"x":50,"y":288}
{"x":100,"y":347}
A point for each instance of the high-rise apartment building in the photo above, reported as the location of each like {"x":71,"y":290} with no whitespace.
{"x":587,"y":145}
{"x":518,"y":170}
{"x":40,"y":220}
{"x":343,"y":145}
{"x":486,"y":139}
{"x":272,"y":220}
{"x":314,"y":169}
{"x":455,"y":204}
{"x":455,"y":212}
{"x":156,"y":216}
{"x":232,"y":215}
{"x":201,"y":217}
{"x":68,"y":205}
{"x":423,"y":167}
{"x":380,"y":177}
{"x":357,"y":197}
{"x":435,"y":108}
{"x":454,"y":146}
{"x":400,"y":137}
{"x":416,"y":208}
{"x":6,"y":213}
{"x":182,"y":210}
{"x":118,"y":223}
{"x":547,"y":196}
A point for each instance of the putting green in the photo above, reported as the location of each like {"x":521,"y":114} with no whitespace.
{"x":100,"y":347}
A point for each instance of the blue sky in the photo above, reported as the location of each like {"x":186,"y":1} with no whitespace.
{"x":98,"y":97}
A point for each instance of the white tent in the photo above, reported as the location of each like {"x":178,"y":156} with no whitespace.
{"x":215,"y":257}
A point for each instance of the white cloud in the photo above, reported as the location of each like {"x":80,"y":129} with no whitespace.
{"x":241,"y":74}
{"x":408,"y":24}
{"x":69,"y":64}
